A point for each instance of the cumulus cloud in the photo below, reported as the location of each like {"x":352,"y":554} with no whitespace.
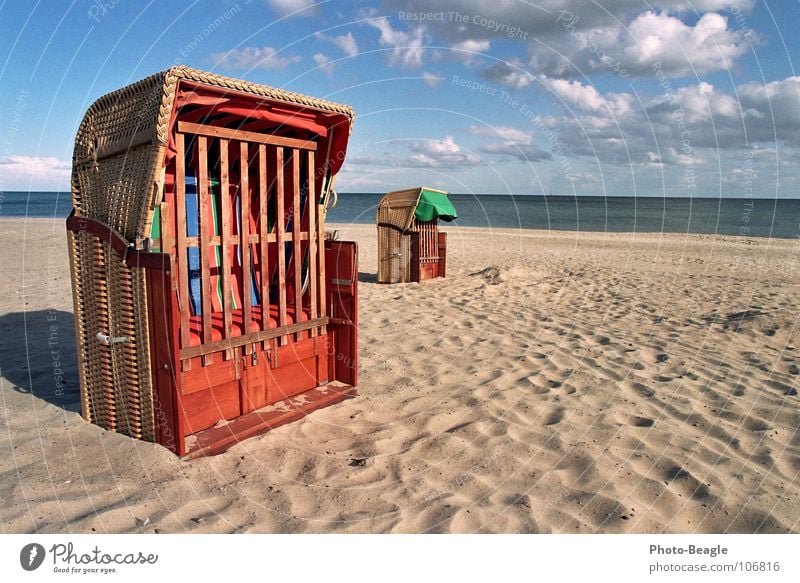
{"x":522,"y":152}
{"x":293,"y":7}
{"x":564,"y":38}
{"x":481,"y":19}
{"x":776,"y":105}
{"x":324,"y":63}
{"x":255,"y":58}
{"x":478,"y":19}
{"x":509,"y":73}
{"x":431,"y":80}
{"x":45,"y":172}
{"x":346,"y":42}
{"x":681,"y":49}
{"x":441,"y":153}
{"x":684,"y":127}
{"x":514,"y":143}
{"x":507,"y":133}
{"x":587,"y":98}
{"x":407,"y":48}
{"x":467,"y":50}
{"x":651,"y":40}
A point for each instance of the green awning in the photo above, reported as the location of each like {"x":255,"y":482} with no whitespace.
{"x":434,"y":205}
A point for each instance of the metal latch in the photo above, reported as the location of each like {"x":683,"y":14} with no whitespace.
{"x":109,"y":340}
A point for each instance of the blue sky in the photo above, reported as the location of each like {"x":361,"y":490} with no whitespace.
{"x":616,"y":97}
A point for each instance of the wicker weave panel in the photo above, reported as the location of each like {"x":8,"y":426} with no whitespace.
{"x":116,"y":391}
{"x":397,"y":208}
{"x":394,"y":255}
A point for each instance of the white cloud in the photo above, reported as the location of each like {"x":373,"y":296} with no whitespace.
{"x":431,"y":80}
{"x":473,"y":46}
{"x":509,"y":73}
{"x":467,"y":50}
{"x":698,"y":103}
{"x":672,"y":156}
{"x":777,"y":104}
{"x":587,"y":98}
{"x":408,"y":48}
{"x":515,"y":142}
{"x":565,"y":38}
{"x":517,"y":20}
{"x":687,"y":127}
{"x":37,"y":172}
{"x":681,"y":49}
{"x":507,"y":133}
{"x":441,"y":153}
{"x":346,"y":42}
{"x":324,"y":63}
{"x":255,"y":58}
{"x":293,"y":7}
{"x":652,"y":40}
{"x":522,"y":152}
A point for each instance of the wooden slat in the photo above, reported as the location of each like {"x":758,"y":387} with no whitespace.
{"x":234,"y":239}
{"x":255,"y":137}
{"x":205,"y":268}
{"x":166,"y":242}
{"x":244,"y":193}
{"x":323,"y":298}
{"x":281,"y":225}
{"x":263,"y":192}
{"x":312,"y":239}
{"x":225,"y":234}
{"x":180,"y":236}
{"x":297,"y":258}
{"x":281,"y":331}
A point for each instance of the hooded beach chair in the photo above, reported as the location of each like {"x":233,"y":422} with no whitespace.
{"x":410,"y":246}
{"x":209,"y":306}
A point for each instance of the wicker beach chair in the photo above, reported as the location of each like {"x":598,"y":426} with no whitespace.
{"x":208,"y":305}
{"x":410,"y":246}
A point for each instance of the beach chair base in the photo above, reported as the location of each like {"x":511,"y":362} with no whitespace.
{"x":219,"y":439}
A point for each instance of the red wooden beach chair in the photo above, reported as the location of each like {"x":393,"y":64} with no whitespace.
{"x":209,"y":307}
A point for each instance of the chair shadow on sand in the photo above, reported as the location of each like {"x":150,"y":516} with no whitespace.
{"x":37,"y":356}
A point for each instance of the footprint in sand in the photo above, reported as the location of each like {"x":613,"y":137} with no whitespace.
{"x":685,"y":483}
{"x":639,"y":388}
{"x":555,"y":416}
{"x":642,"y":422}
{"x":782,"y":387}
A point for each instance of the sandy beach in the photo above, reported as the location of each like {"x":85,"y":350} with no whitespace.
{"x":555,"y":382}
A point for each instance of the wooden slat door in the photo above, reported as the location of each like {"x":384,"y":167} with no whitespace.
{"x":257,"y":198}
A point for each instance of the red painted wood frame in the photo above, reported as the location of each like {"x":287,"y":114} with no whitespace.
{"x":303,"y":342}
{"x":428,"y":253}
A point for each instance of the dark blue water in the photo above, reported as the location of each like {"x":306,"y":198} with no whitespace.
{"x":35,"y":204}
{"x":729,"y":216}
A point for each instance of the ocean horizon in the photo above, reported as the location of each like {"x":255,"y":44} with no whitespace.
{"x":746,"y":217}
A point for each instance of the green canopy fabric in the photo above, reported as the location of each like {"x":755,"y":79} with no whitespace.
{"x":434,"y":205}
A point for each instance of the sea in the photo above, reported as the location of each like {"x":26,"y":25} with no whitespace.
{"x":746,"y":217}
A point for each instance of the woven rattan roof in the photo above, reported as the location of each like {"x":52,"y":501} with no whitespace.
{"x":397,"y":208}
